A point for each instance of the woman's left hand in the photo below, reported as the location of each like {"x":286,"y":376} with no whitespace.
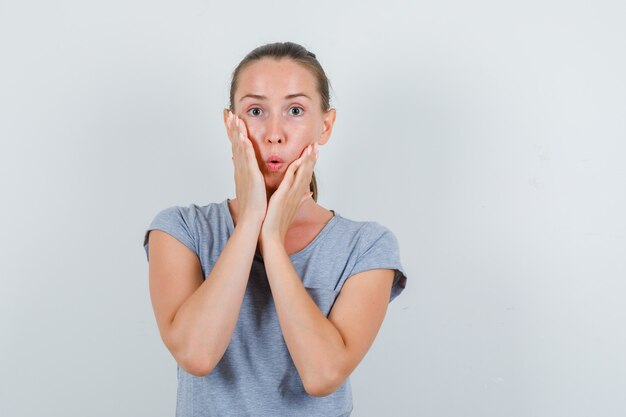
{"x":289,"y":196}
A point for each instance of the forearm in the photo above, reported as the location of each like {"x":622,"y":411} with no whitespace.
{"x":204,"y":324}
{"x":314,"y":343}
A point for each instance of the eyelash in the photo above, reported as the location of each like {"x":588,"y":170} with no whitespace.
{"x":293,"y":107}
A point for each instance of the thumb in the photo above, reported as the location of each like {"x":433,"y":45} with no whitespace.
{"x":306,"y":196}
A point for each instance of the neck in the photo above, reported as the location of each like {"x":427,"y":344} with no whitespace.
{"x":305,"y":211}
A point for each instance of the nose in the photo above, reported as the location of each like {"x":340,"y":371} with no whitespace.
{"x":275,"y":132}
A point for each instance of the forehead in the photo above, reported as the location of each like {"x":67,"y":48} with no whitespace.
{"x":275,"y":79}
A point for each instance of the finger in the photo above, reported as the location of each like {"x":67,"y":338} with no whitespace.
{"x":241,"y":136}
{"x":300,"y":177}
{"x":229,"y":127}
{"x":232,"y":123}
{"x":234,"y":133}
{"x":289,"y":174}
{"x":305,"y":198}
{"x":235,"y":126}
{"x":250,"y":155}
{"x":242,"y":126}
{"x":306,"y":152}
{"x":236,"y":136}
{"x":305,"y":170}
{"x":293,"y":167}
{"x":315,"y":153}
{"x":248,"y":148}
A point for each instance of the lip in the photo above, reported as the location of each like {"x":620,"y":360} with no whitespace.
{"x":274,"y":166}
{"x":274,"y":158}
{"x":274,"y":163}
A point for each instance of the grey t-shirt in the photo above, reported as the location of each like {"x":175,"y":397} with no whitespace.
{"x":256,"y":376}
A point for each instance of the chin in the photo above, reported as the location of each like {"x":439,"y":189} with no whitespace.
{"x":273,"y":180}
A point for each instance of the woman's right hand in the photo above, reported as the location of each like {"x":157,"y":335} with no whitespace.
{"x":249,"y":181}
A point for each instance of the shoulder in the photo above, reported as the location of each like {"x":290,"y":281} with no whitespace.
{"x":374,"y":246}
{"x":365,"y":234}
{"x":183,"y":217}
{"x":188,"y":215}
{"x":189,"y":224}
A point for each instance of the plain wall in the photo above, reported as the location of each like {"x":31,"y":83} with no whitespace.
{"x":488,"y":136}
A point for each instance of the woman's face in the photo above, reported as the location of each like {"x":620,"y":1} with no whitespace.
{"x":281,"y":108}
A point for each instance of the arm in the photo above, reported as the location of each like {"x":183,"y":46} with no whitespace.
{"x":325,"y":351}
{"x":197,"y":318}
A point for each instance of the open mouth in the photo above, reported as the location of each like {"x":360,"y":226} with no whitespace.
{"x":274,"y":165}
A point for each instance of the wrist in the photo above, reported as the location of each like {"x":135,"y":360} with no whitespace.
{"x":250,"y":224}
{"x":271,"y":238}
{"x":269,"y":232}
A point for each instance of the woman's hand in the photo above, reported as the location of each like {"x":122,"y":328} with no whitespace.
{"x":249,"y":182}
{"x":289,"y":196}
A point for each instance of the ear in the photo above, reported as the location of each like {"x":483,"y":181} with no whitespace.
{"x":329,"y":121}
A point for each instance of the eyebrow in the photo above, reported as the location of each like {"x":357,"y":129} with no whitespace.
{"x":261,"y":97}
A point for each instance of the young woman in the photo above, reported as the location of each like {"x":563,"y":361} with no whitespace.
{"x":268,"y":301}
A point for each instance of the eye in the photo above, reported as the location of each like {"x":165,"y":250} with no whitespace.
{"x":300,"y":110}
{"x":252,"y":109}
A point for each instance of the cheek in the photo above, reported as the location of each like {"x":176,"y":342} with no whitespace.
{"x":303,"y":131}
{"x":255,"y":130}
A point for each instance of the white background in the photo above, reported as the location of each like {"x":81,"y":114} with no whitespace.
{"x":488,"y":136}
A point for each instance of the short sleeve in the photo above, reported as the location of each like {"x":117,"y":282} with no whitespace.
{"x":176,"y":221}
{"x":379,"y":249}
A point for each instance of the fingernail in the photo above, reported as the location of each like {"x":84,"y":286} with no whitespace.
{"x":308,"y":150}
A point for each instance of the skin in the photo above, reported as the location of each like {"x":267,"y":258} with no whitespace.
{"x":285,"y":127}
{"x":325,"y":350}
